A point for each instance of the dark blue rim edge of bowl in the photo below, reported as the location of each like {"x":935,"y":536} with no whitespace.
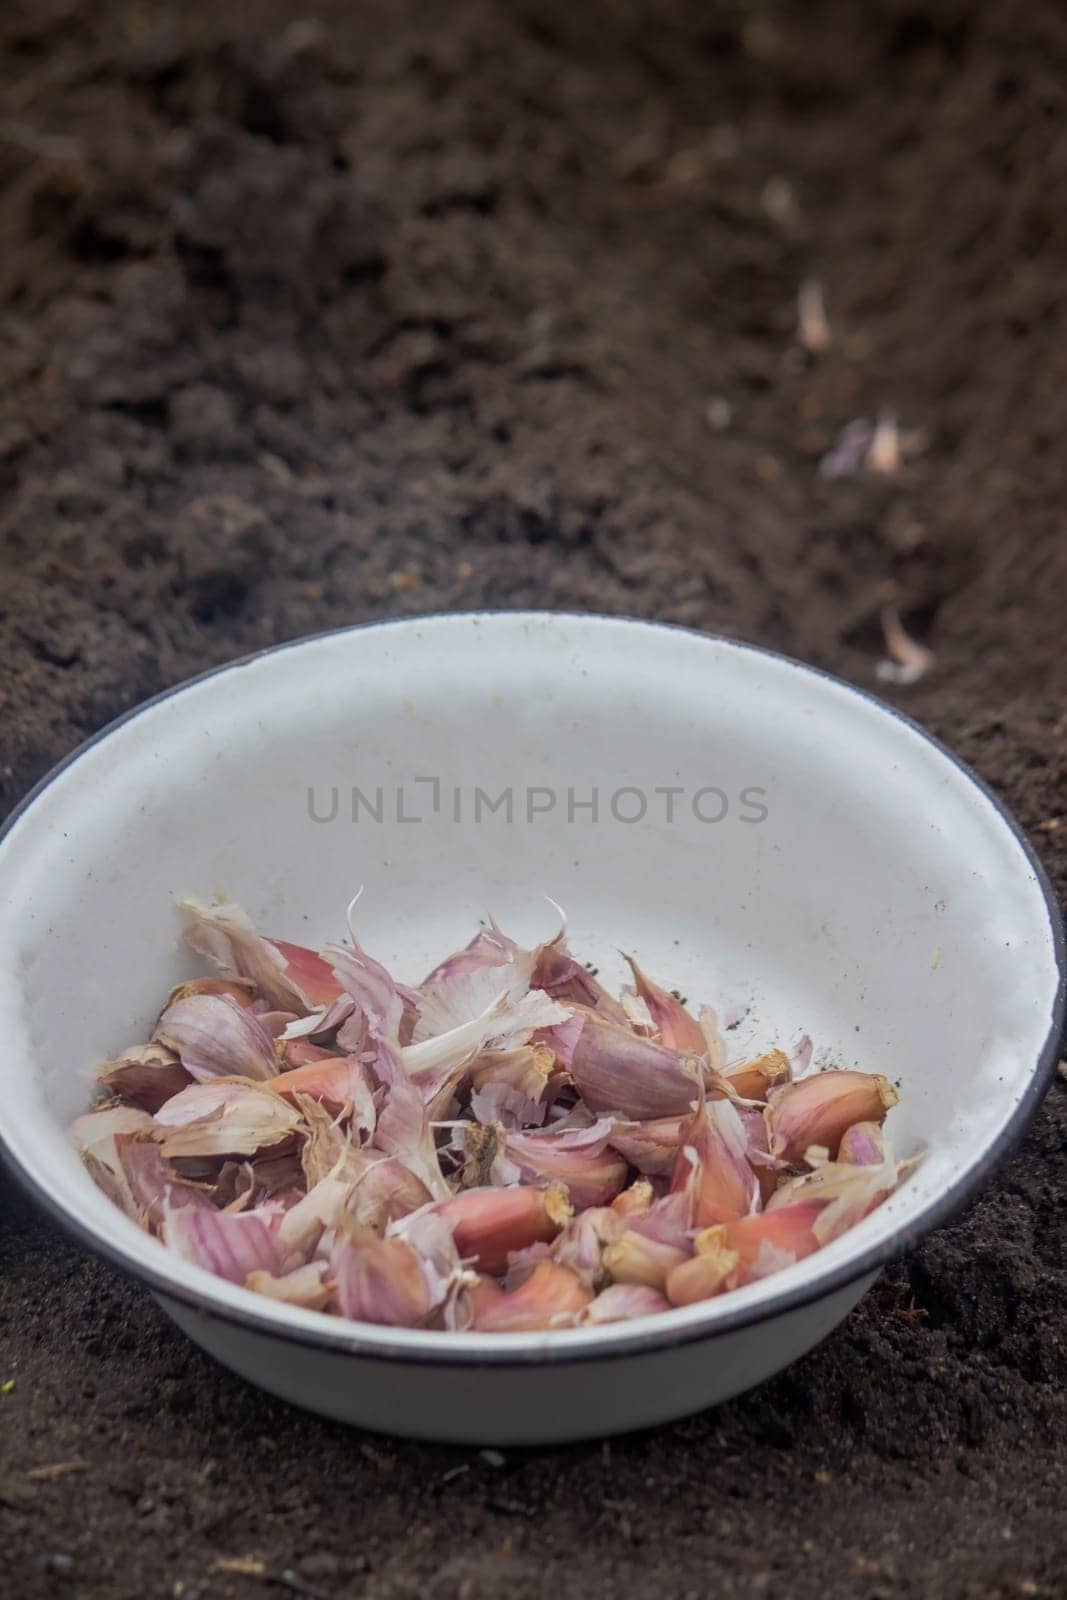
{"x":345,"y":1339}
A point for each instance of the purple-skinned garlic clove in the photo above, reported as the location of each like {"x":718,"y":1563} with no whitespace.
{"x":551,"y":1297}
{"x":616,"y":1071}
{"x":488,"y":1224}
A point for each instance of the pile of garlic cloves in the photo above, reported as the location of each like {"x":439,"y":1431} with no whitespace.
{"x":505,"y":1148}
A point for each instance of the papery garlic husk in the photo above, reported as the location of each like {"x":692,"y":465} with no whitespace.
{"x":147,"y":1074}
{"x":509,"y":1086}
{"x":488,"y":1224}
{"x":223,"y":1118}
{"x":462,"y":986}
{"x":339,"y":1082}
{"x":378,"y":997}
{"x":340,"y":1021}
{"x":634,"y":1258}
{"x":240,"y":990}
{"x":150,"y":1180}
{"x":712,"y":1167}
{"x":378,"y":1280}
{"x":551,"y":1297}
{"x":292,"y":1053}
{"x":674,"y":1027}
{"x":651,"y":1146}
{"x":583,"y":1243}
{"x":622,"y":1302}
{"x":227,"y":1244}
{"x":615,"y":1070}
{"x":288,"y":976}
{"x":567,"y":981}
{"x":431,"y":1236}
{"x":95,"y":1134}
{"x":305,"y":1286}
{"x":439,"y":1090}
{"x":847,"y":1190}
{"x":302,"y":1227}
{"x":404,"y":1131}
{"x":636,"y":1201}
{"x":505,"y":1024}
{"x":819,"y":1109}
{"x":668,"y":1220}
{"x":768,"y":1168}
{"x":581,"y":1158}
{"x":863,"y":1145}
{"x":753,"y":1080}
{"x":217,"y":1038}
{"x":384,"y":1190}
{"x":326,"y":1146}
{"x":714,"y":1051}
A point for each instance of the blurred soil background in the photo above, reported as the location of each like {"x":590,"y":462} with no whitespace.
{"x":314,"y":316}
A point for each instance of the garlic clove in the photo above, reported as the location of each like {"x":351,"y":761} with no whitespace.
{"x":551,"y":1297}
{"x":753,"y":1080}
{"x":634,"y":1258}
{"x":615,"y":1070}
{"x":818,"y":1110}
{"x":488,"y":1224}
{"x":636,"y":1201}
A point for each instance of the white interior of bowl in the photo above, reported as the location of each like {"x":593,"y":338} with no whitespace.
{"x":883,"y":905}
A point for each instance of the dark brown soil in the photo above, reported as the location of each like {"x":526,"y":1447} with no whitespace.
{"x":311,"y":317}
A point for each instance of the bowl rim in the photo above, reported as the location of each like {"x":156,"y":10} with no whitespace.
{"x":646,"y":1334}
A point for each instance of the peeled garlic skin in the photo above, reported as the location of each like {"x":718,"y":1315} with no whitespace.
{"x":622,"y":1302}
{"x":651,"y":1146}
{"x":593,"y":1176}
{"x":148,"y":1074}
{"x":216,"y":1037}
{"x":862,"y":1145}
{"x":819,"y":1110}
{"x":675,"y":1028}
{"x":712,"y":1165}
{"x":488,"y":1224}
{"x":378,"y":1280}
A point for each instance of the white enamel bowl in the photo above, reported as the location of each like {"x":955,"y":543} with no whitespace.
{"x":861,"y":887}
